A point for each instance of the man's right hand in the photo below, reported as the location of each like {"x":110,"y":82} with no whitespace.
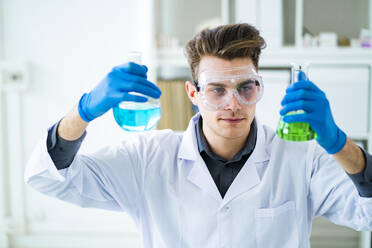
{"x":115,"y":88}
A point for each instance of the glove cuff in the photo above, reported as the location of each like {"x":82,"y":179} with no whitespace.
{"x":84,"y":114}
{"x":339,"y":144}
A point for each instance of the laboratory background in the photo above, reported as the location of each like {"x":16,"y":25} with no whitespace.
{"x":51,"y":52}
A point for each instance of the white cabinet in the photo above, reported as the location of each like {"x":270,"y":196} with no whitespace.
{"x":346,"y":87}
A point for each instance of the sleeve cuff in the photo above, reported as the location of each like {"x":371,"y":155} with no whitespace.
{"x":60,"y":150}
{"x":52,"y":136}
{"x":363,"y":180}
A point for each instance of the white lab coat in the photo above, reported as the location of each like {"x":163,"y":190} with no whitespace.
{"x":162,"y":182}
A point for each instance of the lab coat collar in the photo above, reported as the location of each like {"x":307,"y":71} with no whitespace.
{"x":246,"y":179}
{"x":189,"y":146}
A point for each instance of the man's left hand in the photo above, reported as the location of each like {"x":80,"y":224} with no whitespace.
{"x":305,"y":95}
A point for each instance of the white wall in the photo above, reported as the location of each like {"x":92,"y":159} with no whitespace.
{"x":69,"y":45}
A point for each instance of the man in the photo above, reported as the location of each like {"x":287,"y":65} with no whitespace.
{"x":228,"y":181}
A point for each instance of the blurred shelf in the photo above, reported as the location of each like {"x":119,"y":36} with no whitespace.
{"x":171,"y":57}
{"x":175,"y":58}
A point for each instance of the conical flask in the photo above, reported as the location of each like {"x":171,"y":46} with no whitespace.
{"x":137,"y":116}
{"x":296,"y":131}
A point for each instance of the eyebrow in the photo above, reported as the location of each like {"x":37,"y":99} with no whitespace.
{"x":217,"y":84}
{"x":250,"y":81}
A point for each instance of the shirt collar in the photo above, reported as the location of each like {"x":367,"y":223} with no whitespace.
{"x":246,"y":150}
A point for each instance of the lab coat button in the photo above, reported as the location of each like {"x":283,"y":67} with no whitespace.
{"x":227,"y":208}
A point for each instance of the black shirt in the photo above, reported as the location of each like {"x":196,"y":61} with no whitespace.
{"x":222,"y":171}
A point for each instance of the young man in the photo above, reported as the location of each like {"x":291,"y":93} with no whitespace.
{"x":228,"y":181}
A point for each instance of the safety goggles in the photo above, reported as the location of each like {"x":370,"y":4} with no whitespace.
{"x":216,"y":88}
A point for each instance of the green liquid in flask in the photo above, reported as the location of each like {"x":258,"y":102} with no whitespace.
{"x":296,"y":131}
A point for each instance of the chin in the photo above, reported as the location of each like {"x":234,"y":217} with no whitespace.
{"x":232,"y":131}
{"x":232,"y":135}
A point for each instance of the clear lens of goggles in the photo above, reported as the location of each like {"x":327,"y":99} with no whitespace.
{"x":218,"y":87}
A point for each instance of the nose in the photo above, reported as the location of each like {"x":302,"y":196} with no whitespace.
{"x":233,"y":104}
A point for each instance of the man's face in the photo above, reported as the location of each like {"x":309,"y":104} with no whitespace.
{"x":231,"y":121}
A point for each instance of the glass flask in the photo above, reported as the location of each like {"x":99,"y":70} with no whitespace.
{"x":137,"y":116}
{"x":297,"y":131}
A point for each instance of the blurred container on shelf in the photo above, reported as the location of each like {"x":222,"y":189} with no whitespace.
{"x":344,"y":42}
{"x":308,"y":40}
{"x":365,"y":38}
{"x":327,"y":39}
{"x":355,"y":42}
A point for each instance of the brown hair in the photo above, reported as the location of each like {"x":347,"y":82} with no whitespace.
{"x":226,"y":42}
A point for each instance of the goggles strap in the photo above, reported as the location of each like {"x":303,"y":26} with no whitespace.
{"x":196,"y":85}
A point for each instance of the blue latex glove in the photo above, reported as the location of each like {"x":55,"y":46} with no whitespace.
{"x":307,"y":96}
{"x":114,"y":89}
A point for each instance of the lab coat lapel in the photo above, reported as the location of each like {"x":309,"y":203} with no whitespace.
{"x":189,"y":147}
{"x":192,"y":163}
{"x":200,"y":176}
{"x":248,"y":177}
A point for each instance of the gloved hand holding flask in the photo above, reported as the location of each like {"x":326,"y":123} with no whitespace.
{"x":137,"y":116}
{"x":115,"y":88}
{"x":305,"y":95}
{"x":298,"y":131}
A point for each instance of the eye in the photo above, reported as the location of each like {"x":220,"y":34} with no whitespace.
{"x":247,"y":85}
{"x":219,"y":90}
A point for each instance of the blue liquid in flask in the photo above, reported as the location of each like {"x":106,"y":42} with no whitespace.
{"x":134,"y":116}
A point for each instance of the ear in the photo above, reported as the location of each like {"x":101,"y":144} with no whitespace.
{"x":191,"y":92}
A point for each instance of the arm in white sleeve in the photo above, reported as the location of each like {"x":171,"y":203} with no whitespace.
{"x":334,"y":196}
{"x":363,"y":180}
{"x":109,"y":178}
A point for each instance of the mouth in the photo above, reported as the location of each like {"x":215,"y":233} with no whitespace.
{"x":232,"y":120}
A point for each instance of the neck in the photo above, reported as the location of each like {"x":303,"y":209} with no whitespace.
{"x":226,"y":148}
